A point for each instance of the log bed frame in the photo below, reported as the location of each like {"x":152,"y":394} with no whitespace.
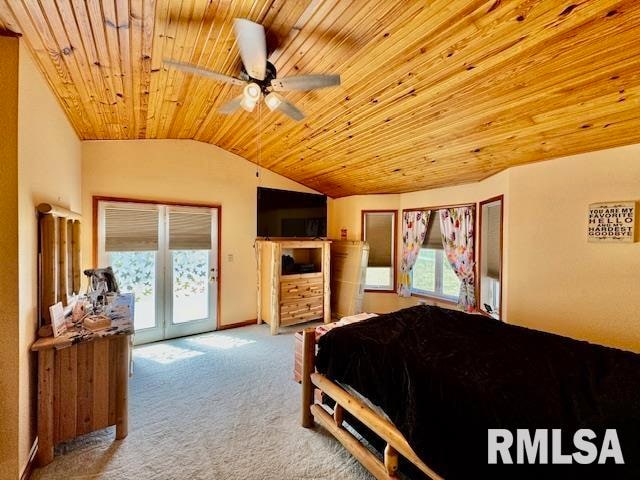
{"x":313,"y":412}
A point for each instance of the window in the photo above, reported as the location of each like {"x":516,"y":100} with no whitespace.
{"x":432,"y":273}
{"x":379,"y":231}
{"x":490,"y":259}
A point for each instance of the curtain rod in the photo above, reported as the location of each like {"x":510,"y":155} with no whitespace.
{"x":440,"y":207}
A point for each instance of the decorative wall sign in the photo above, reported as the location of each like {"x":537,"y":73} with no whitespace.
{"x":612,"y":222}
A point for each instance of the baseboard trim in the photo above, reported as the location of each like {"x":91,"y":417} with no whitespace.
{"x":237,"y":325}
{"x":26,"y":473}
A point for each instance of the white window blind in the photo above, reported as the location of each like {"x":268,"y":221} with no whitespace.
{"x":190,"y":229}
{"x":433,"y":238}
{"x":130,"y":228}
{"x":492,"y":240}
{"x":379,"y":235}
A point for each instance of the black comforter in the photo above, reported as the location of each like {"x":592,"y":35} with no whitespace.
{"x":445,"y":377}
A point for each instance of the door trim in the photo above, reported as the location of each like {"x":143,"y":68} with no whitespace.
{"x":94,"y":240}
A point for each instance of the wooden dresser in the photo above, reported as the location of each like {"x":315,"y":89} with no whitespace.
{"x":286,"y":296}
{"x":83,"y":381}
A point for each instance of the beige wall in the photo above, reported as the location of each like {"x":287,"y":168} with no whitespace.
{"x":554,"y":279}
{"x":49,"y":171}
{"x":188,"y":171}
{"x":9,"y":273}
{"x":345,"y":213}
{"x":557,"y":280}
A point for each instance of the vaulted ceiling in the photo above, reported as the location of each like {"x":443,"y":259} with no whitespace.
{"x":433,"y":93}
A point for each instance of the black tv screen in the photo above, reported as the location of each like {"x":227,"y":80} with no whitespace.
{"x":283,"y":213}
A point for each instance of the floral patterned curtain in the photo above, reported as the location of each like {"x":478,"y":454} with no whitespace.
{"x":414,"y":228}
{"x":456,"y":225}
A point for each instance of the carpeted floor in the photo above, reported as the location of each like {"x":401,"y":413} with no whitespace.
{"x":214,"y":406}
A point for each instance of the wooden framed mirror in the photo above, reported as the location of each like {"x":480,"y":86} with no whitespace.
{"x":490,"y":256}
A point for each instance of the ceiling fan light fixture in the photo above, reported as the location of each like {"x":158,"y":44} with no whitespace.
{"x":252,"y":91}
{"x":250,"y":97}
{"x":258,"y":76}
{"x":273,"y":101}
{"x":247,"y":105}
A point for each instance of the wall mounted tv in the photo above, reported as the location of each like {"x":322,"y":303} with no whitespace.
{"x":283,"y":213}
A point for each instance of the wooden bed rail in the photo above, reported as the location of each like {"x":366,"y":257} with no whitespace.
{"x":351,"y":443}
{"x":396,"y":443}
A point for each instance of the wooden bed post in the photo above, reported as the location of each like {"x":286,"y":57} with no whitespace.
{"x":308,"y":367}
{"x":338,"y":414}
{"x":391,"y":461}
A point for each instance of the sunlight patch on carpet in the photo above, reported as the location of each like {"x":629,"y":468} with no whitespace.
{"x":219,"y":341}
{"x":164,"y":353}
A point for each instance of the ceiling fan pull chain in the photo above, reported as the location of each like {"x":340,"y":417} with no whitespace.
{"x":259,"y":140}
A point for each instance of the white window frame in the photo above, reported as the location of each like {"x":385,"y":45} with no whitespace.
{"x":439,"y":280}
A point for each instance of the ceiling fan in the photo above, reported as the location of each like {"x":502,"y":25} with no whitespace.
{"x":258,"y":75}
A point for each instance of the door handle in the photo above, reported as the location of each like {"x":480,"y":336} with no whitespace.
{"x":212,"y":275}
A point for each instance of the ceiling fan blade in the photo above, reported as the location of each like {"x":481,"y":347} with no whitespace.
{"x":305,"y":82}
{"x":252,"y":44}
{"x":231,"y":106}
{"x":186,"y":67}
{"x":290,"y":110}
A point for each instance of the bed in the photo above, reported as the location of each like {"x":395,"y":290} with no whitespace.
{"x":443,"y":377}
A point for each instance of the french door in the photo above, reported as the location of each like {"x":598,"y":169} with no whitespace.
{"x":167,"y":256}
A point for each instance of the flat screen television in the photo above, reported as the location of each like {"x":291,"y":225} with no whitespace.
{"x":283,"y":213}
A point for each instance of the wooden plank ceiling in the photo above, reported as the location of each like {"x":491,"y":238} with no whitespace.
{"x":434,"y":93}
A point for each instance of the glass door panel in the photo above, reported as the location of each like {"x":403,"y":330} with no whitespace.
{"x":191,"y":299}
{"x":136,"y":273}
{"x":190,"y":285}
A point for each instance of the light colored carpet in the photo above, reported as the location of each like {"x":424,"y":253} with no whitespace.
{"x":215,"y":406}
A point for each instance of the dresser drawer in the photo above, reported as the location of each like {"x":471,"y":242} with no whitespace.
{"x":300,"y":289}
{"x":301,"y":311}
